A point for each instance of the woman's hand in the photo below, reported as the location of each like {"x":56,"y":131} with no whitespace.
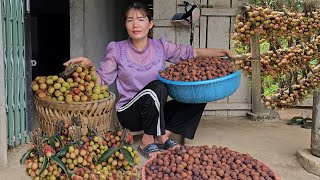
{"x":81,"y":60}
{"x":212,"y":52}
{"x":229,"y":53}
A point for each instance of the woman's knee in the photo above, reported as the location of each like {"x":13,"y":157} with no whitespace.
{"x":158,"y":87}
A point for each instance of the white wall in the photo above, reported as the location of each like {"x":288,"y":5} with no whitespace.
{"x":93,"y":24}
{"x":104,"y":23}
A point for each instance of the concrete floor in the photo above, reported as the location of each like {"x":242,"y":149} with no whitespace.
{"x":274,"y":143}
{"x":14,"y":171}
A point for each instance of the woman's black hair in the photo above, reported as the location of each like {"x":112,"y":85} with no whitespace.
{"x":140,"y":7}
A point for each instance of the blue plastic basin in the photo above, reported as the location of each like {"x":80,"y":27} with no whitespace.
{"x":203,"y":91}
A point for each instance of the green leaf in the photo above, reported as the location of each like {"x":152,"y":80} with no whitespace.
{"x":63,"y":151}
{"x":25,"y":156}
{"x":44,"y":139}
{"x":60,"y":164}
{"x":51,"y":142}
{"x":44,"y":165}
{"x":108,"y":153}
{"x":127,"y":155}
{"x":58,"y":139}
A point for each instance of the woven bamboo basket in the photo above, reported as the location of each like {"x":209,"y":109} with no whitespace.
{"x":94,"y":114}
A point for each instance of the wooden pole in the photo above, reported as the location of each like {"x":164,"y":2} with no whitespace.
{"x":256,"y":75}
{"x":315,"y":129}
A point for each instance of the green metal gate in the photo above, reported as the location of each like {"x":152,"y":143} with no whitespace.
{"x":13,"y":35}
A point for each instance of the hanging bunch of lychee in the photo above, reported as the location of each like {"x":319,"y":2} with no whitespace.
{"x":249,"y":22}
{"x":282,"y":61}
{"x":272,"y":25}
{"x":78,"y":85}
{"x":292,"y":62}
{"x":294,"y":91}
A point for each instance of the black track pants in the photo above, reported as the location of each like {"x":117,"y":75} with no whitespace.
{"x":150,"y":111}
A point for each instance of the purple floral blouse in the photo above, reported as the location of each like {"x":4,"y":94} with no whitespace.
{"x":133,"y":69}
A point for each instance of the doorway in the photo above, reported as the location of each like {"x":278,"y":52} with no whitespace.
{"x":50,"y":36}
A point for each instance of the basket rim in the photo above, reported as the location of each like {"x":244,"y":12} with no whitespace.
{"x":112,"y":95}
{"x":191,"y":83}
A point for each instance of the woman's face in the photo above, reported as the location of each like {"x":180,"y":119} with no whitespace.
{"x":137,"y":24}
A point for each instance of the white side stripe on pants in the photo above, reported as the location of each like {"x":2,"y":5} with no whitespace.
{"x":156,"y":101}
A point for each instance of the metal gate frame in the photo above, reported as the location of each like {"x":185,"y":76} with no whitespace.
{"x":16,"y":69}
{"x":28,"y":67}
